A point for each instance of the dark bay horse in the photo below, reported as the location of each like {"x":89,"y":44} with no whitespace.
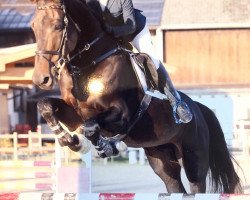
{"x":71,"y":41}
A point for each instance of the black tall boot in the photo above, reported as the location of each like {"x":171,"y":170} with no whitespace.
{"x":179,"y":107}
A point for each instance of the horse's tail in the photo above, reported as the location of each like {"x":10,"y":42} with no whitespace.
{"x":223,"y":175}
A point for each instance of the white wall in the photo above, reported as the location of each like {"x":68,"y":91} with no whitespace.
{"x":228,"y":107}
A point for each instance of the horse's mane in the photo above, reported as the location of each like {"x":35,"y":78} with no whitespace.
{"x":95,"y":8}
{"x":79,"y":6}
{"x":47,"y":1}
{"x":80,"y":11}
{"x":88,"y":9}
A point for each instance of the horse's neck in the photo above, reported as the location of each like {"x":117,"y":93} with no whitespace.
{"x":91,"y":29}
{"x":97,"y":52}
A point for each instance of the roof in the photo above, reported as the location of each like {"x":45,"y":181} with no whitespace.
{"x":12,"y":54}
{"x":212,"y":13}
{"x":15,"y":14}
{"x":151,"y":9}
{"x":16,"y":75}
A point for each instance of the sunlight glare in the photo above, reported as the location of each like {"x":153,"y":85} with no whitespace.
{"x":96,"y":87}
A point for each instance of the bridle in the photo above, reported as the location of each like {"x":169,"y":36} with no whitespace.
{"x":61,"y":50}
{"x":63,"y":58}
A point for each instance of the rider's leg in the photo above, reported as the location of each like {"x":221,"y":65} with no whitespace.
{"x":142,"y":42}
{"x":165,"y":85}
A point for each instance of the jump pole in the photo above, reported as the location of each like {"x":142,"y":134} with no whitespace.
{"x":119,"y":196}
{"x":72,"y":179}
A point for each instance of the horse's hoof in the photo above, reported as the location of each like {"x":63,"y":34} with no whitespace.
{"x":106,"y":148}
{"x":107,"y":153}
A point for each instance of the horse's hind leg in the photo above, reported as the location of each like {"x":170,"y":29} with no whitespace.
{"x":165,"y":164}
{"x":195,"y":161}
{"x":196,"y":171}
{"x":54,"y":110}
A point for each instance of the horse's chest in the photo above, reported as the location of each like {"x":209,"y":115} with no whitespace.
{"x":89,"y":109}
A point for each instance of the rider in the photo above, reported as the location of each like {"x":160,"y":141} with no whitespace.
{"x":124,"y":22}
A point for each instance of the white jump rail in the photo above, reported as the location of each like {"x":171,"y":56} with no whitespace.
{"x":76,"y":175}
{"x":242,"y":133}
{"x":119,"y":196}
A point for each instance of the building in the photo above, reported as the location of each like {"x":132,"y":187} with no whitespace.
{"x":16,"y":63}
{"x":203,"y":44}
{"x":15,"y":16}
{"x":16,"y":68}
{"x":206,"y":49}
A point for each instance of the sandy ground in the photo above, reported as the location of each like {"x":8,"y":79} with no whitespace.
{"x":120,"y":177}
{"x":142,"y":179}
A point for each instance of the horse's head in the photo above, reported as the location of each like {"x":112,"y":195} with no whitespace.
{"x":56,"y":36}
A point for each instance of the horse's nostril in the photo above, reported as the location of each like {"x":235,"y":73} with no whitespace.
{"x":45,"y":80}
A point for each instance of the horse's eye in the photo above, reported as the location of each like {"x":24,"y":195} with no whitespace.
{"x":59,"y":27}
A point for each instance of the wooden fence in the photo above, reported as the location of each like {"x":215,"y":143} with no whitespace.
{"x":33,"y":146}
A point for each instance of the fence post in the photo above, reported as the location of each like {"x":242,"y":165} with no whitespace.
{"x":30,"y":142}
{"x":15,"y":143}
{"x":58,"y":161}
{"x":40,"y":142}
{"x":141,"y":156}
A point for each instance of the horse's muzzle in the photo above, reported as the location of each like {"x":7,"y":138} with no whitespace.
{"x":44,"y":82}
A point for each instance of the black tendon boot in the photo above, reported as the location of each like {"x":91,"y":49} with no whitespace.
{"x":179,"y":107}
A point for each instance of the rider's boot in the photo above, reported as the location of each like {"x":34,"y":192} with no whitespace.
{"x":179,"y":106}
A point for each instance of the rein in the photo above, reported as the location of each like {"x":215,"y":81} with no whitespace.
{"x":86,"y":47}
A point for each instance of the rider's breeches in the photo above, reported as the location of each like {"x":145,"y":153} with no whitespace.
{"x":143,"y":43}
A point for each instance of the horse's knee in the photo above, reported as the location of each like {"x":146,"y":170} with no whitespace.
{"x":158,"y":169}
{"x":44,"y":107}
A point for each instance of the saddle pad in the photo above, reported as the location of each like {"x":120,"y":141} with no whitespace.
{"x":139,"y":73}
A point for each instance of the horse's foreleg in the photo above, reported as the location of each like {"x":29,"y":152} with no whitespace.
{"x":112,"y":120}
{"x":54,"y":110}
{"x":163,"y":161}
